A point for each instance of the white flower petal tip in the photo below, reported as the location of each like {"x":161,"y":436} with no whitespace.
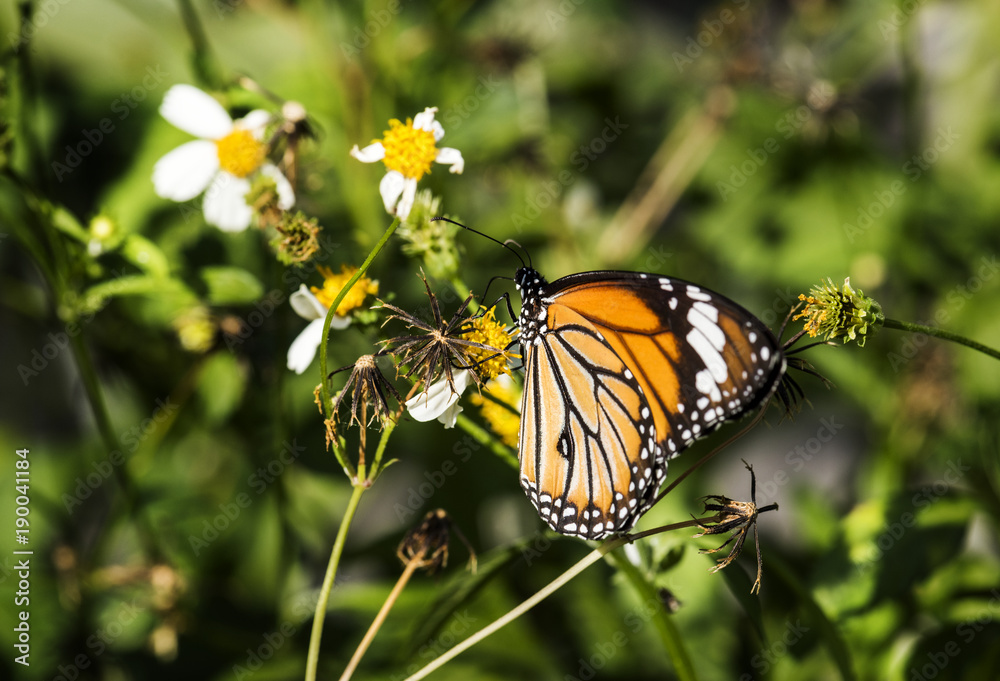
{"x":439,"y":401}
{"x":195,"y":112}
{"x":286,"y":195}
{"x":185,"y":172}
{"x":451,"y":157}
{"x":303,"y":349}
{"x":391,"y":188}
{"x":225,"y":204}
{"x":373,"y":153}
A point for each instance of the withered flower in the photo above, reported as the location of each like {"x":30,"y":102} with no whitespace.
{"x":426,"y":545}
{"x":369,"y":387}
{"x":736,"y":517}
{"x":446,"y":345}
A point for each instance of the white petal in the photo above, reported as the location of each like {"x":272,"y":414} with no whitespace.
{"x":390,"y":188}
{"x":185,"y":172}
{"x":303,"y":348}
{"x":306,"y":305}
{"x":370,"y":154}
{"x":452,"y":157}
{"x":195,"y":112}
{"x":425,"y":119}
{"x":450,"y":415}
{"x":225,"y":204}
{"x":255,"y":122}
{"x":286,"y":196}
{"x":439,"y":398}
{"x":406,"y":201}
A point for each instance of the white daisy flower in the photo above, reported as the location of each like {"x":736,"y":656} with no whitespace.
{"x":313,"y":304}
{"x":220,"y":163}
{"x":440,"y":401}
{"x":408,"y":151}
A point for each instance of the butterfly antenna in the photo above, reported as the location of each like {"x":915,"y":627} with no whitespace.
{"x":505,"y":244}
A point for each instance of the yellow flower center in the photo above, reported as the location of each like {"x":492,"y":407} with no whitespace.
{"x":333,"y":283}
{"x":503,"y":421}
{"x":408,"y":150}
{"x":240,"y":153}
{"x":488,"y":331}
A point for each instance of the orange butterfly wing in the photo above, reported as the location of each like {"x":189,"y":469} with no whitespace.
{"x":625,"y":370}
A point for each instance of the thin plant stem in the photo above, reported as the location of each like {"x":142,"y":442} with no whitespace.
{"x":360,"y":486}
{"x":316,"y":636}
{"x":324,"y":390}
{"x":404,"y":578}
{"x":940,"y":333}
{"x":607,"y":547}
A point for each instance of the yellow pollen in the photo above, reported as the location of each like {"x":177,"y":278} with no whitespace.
{"x":407,"y":150}
{"x":488,"y":331}
{"x":333,"y":283}
{"x":240,"y":153}
{"x":504,"y":422}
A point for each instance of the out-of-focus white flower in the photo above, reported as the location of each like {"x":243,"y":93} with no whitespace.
{"x":220,"y":163}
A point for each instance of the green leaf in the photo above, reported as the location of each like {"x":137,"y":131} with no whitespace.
{"x":95,"y":297}
{"x":828,"y":632}
{"x":145,"y":255}
{"x":739,"y":585}
{"x":231,"y":285}
{"x":221,"y":386}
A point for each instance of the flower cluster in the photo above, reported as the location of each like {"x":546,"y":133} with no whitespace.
{"x":313,"y":303}
{"x":407,"y":150}
{"x":840,"y":313}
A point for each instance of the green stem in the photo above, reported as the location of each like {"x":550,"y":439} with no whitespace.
{"x":316,"y":637}
{"x":204,"y":65}
{"x":324,"y":390}
{"x":671,"y":638}
{"x":360,"y":485}
{"x":940,"y":333}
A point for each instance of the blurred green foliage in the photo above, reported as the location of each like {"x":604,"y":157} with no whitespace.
{"x":756,"y":148}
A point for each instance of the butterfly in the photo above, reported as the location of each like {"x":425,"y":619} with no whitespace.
{"x":624,"y":370}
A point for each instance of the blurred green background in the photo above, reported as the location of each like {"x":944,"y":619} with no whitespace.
{"x":755,"y":148}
